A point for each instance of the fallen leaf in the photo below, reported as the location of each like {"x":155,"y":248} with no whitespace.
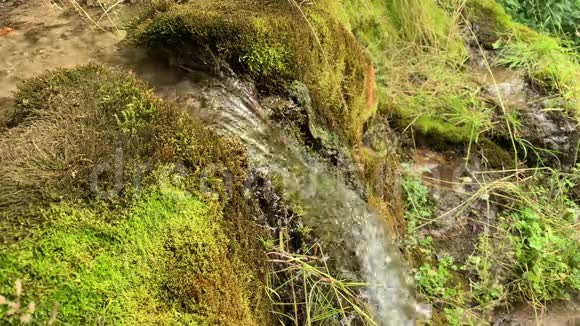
{"x":5,"y":30}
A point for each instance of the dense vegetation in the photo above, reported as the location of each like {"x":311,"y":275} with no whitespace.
{"x":558,"y":17}
{"x":121,"y":230}
{"x":530,"y":253}
{"x":109,"y":207}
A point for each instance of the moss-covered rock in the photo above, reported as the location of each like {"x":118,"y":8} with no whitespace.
{"x":113,"y":205}
{"x":551,"y":67}
{"x":274,"y":43}
{"x":489,"y":20}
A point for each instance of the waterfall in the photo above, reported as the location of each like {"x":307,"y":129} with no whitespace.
{"x":339,"y":215}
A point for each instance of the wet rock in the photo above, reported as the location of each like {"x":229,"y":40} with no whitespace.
{"x":552,"y":130}
{"x":511,"y":92}
{"x":542,"y":123}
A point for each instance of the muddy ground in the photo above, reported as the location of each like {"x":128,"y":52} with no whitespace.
{"x":39,"y":36}
{"x":45,"y":37}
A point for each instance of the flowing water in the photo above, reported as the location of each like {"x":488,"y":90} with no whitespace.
{"x":341,"y":217}
{"x":45,"y":38}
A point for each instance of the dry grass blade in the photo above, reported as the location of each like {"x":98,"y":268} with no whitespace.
{"x":304,"y":284}
{"x":106,"y":10}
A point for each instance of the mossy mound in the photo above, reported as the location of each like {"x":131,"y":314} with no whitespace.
{"x":162,"y":262}
{"x":427,"y":56}
{"x":109,"y":208}
{"x":490,"y":21}
{"x":274,"y":43}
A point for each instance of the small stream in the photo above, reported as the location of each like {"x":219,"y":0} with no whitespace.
{"x":343,"y":220}
{"x":47,"y":38}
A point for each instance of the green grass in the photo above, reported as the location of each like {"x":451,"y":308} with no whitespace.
{"x":304,"y":291}
{"x":420,"y":64}
{"x":553,"y":68}
{"x":418,"y":55}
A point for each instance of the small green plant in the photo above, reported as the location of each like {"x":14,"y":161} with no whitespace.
{"x":546,"y":253}
{"x":135,"y":113}
{"x":418,"y":207}
{"x":455,"y":316}
{"x":534,"y":249}
{"x":438,"y":285}
{"x":486,"y":287}
{"x":435,"y":275}
{"x":433,"y":279}
{"x":265,"y":60}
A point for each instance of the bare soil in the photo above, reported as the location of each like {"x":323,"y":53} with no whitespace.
{"x":43,"y":37}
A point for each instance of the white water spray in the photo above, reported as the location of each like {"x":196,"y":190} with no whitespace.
{"x":341,"y":217}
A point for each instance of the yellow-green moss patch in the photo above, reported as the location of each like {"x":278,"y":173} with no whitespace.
{"x":162,"y":262}
{"x":274,"y":43}
{"x":88,"y":218}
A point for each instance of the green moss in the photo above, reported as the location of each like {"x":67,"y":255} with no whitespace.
{"x":490,"y":20}
{"x":550,"y":65}
{"x":454,"y":116}
{"x":162,"y":262}
{"x":496,"y":156}
{"x":50,"y":155}
{"x":266,"y":60}
{"x":419,"y":53}
{"x":275,"y":43}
